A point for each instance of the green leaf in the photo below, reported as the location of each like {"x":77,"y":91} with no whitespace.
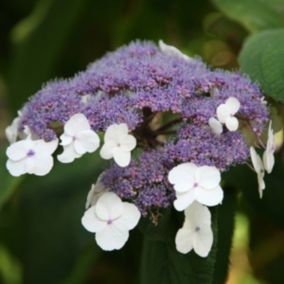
{"x":161,"y":263}
{"x":255,"y":15}
{"x":262,"y":59}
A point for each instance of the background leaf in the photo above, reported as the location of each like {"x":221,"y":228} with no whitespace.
{"x":262,"y":59}
{"x":255,"y":15}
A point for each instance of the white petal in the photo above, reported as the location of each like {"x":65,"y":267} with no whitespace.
{"x":256,"y":160}
{"x":87,"y":141}
{"x":215,"y":125}
{"x":208,"y":177}
{"x":233,"y":104}
{"x":184,"y":241}
{"x":261,"y":183}
{"x":183,"y":176}
{"x":19,"y":150}
{"x":107,"y":150}
{"x":109,"y":206}
{"x":48,"y":148}
{"x":223,"y":112}
{"x":196,"y":215}
{"x":66,"y":139}
{"x":122,"y":158}
{"x":127,"y":142}
{"x":114,"y":131}
{"x":129,"y":218}
{"x":91,"y":222}
{"x":203,"y":241}
{"x":268,"y":160}
{"x":209,"y":197}
{"x":183,"y":200}
{"x":16,"y":168}
{"x":111,"y":238}
{"x":172,"y":51}
{"x":76,"y":123}
{"x":41,"y":164}
{"x":12,"y":130}
{"x":69,"y":154}
{"x":232,"y":123}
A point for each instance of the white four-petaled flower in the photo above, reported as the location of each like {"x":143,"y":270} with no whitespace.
{"x":173,"y":51}
{"x":196,"y":232}
{"x":30,"y":156}
{"x":118,"y":144}
{"x":226,"y":115}
{"x":111,"y":219}
{"x":195,"y":183}
{"x":78,"y":139}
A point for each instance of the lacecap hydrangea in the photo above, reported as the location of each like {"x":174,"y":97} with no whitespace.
{"x":170,"y":125}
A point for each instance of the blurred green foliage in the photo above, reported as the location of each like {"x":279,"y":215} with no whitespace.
{"x":41,"y":239}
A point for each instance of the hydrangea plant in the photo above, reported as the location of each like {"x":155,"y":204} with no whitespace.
{"x":170,"y":127}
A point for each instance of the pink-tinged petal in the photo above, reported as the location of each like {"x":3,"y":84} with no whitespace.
{"x":91,"y":222}
{"x":122,"y":158}
{"x":19,"y":150}
{"x":232,"y":123}
{"x":87,"y":141}
{"x":203,"y":241}
{"x":109,"y":207}
{"x":184,"y":241}
{"x":209,"y":197}
{"x":215,"y":125}
{"x":183,"y":200}
{"x":129,"y":218}
{"x":111,"y":238}
{"x":223,"y":112}
{"x":114,"y":131}
{"x":233,"y":104}
{"x":208,"y":177}
{"x":76,"y":123}
{"x":183,"y":177}
{"x":16,"y":168}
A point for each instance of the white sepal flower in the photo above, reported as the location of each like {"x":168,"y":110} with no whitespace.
{"x":111,"y":219}
{"x":118,"y":144}
{"x":215,"y":125}
{"x":96,"y":191}
{"x":268,"y":155}
{"x":12,"y":130}
{"x":196,"y":233}
{"x":78,"y":139}
{"x":259,"y":169}
{"x":225,"y":113}
{"x":30,"y":156}
{"x":173,"y":51}
{"x":193,"y":183}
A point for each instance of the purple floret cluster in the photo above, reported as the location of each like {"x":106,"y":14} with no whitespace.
{"x":142,"y":86}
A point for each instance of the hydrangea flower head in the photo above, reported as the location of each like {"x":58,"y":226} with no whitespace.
{"x":170,"y":126}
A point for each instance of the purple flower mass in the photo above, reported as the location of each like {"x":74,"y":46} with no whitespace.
{"x":166,"y":101}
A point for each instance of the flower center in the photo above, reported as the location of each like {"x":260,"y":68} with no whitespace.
{"x":195,"y":184}
{"x":30,"y":153}
{"x":109,"y":222}
{"x":197,"y":229}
